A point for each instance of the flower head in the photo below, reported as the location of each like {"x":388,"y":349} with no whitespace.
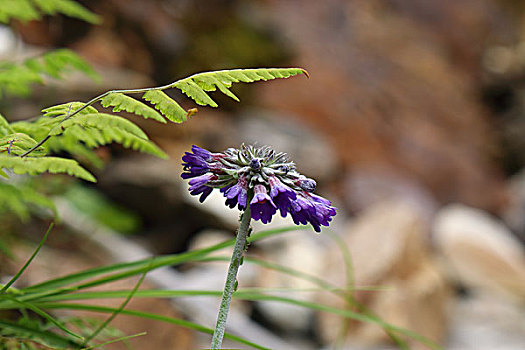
{"x":268,"y":176}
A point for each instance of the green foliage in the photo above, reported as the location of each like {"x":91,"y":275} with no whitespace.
{"x":17,"y":78}
{"x":196,"y":86}
{"x":18,"y":199}
{"x":5,"y":128}
{"x":59,"y":292}
{"x":17,"y":143}
{"x":121,"y":102}
{"x":39,"y":165}
{"x":167,"y":106}
{"x":28,"y":10}
{"x":93,"y":204}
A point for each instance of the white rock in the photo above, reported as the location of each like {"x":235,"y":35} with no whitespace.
{"x":480,"y":252}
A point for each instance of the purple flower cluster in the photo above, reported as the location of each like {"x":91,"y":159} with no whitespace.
{"x":268,"y":177}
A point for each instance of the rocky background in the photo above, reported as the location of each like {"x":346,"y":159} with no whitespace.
{"x":412,"y":121}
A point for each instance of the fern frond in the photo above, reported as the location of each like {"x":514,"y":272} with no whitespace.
{"x":17,"y":199}
{"x":195,"y":86}
{"x":121,"y":102}
{"x":77,"y":149}
{"x":16,"y":78}
{"x":34,"y":130}
{"x":39,"y":165}
{"x":93,"y":137}
{"x":5,"y":128}
{"x":11,"y":201}
{"x":166,"y":105}
{"x":57,"y":62}
{"x":19,"y":143}
{"x":105,"y":121}
{"x":27,"y":10}
{"x":68,"y":108}
{"x":98,"y":129}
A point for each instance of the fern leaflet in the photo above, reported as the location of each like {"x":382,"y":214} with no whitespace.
{"x":18,"y":143}
{"x":17,"y":198}
{"x":166,"y":105}
{"x":5,"y":128}
{"x":121,"y":102}
{"x":196,"y":85}
{"x":39,"y":165}
{"x":105,"y":121}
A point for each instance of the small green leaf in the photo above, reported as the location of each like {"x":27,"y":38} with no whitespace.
{"x":39,"y":165}
{"x":121,"y":102}
{"x":166,"y":105}
{"x":5,"y":128}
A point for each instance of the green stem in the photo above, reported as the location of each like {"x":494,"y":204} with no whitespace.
{"x":229,"y":286}
{"x":93,"y":101}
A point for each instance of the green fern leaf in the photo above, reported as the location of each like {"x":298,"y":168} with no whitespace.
{"x":166,"y":105}
{"x":22,"y":10}
{"x":19,"y":143}
{"x":16,"y":78}
{"x":68,"y":108}
{"x":121,"y":102}
{"x":16,"y":199}
{"x":134,"y":142}
{"x":5,"y":128}
{"x":34,"y":130}
{"x":196,"y":92}
{"x":101,"y":129}
{"x":77,"y":149}
{"x":10,"y":201}
{"x":39,"y":165}
{"x":60,"y":61}
{"x":105,"y":121}
{"x":27,"y":10}
{"x":67,"y":7}
{"x":196,"y":86}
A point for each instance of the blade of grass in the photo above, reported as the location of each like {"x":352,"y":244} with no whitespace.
{"x":345,"y":313}
{"x":51,"y":339}
{"x":140,"y":265}
{"x":116,"y":340}
{"x":147,"y":315}
{"x":351,"y":302}
{"x":161,"y":293}
{"x":349,"y":295}
{"x":121,"y":307}
{"x":23,"y":268}
{"x":162,"y":261}
{"x":45,"y":315}
{"x":258,"y":297}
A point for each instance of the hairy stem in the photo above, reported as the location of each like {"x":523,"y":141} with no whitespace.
{"x":231,"y":278}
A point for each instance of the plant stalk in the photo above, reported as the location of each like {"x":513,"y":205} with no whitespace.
{"x":231,"y":278}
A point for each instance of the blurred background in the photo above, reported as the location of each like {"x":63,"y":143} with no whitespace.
{"x":412,"y":122}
